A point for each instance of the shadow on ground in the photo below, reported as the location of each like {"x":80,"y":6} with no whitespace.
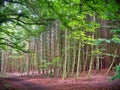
{"x":23,"y":84}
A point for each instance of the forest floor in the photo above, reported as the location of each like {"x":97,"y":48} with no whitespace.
{"x":96,"y":82}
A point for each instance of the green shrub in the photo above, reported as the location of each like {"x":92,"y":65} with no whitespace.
{"x":117,"y":73}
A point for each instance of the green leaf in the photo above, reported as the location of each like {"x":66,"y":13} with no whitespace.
{"x":116,"y":40}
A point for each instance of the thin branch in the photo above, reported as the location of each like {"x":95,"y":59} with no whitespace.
{"x":59,"y":15}
{"x":34,"y":23}
{"x":91,"y":7}
{"x":11,"y":1}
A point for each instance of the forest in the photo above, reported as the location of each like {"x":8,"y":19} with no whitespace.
{"x":59,"y":44}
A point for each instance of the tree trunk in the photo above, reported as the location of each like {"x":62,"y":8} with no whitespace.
{"x":65,"y":62}
{"x":79,"y":61}
{"x":112,"y":60}
{"x":74,"y":59}
{"x":92,"y":57}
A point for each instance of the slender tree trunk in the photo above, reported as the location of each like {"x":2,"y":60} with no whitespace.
{"x":38,"y":56}
{"x":112,"y":60}
{"x":29,"y":59}
{"x":74,"y":59}
{"x":79,"y":61}
{"x":98,"y":62}
{"x":41,"y":51}
{"x":92,"y":57}
{"x":68,"y":58}
{"x":2,"y":63}
{"x":65,"y":62}
{"x":91,"y":63}
{"x":86,"y":58}
{"x":0,"y":59}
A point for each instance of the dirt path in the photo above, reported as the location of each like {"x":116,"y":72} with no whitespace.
{"x":97,"y":82}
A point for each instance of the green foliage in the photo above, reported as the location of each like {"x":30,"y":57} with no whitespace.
{"x":16,"y":56}
{"x":97,"y":52}
{"x":14,"y":22}
{"x":100,"y":41}
{"x":30,"y":15}
{"x":112,"y":55}
{"x":117,"y":73}
{"x":116,"y":40}
{"x":51,"y":63}
{"x":116,"y":31}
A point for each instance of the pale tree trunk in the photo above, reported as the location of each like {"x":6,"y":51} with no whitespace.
{"x":68,"y":58}
{"x":31,"y":44}
{"x":74,"y":59}
{"x":48,"y":45}
{"x":58,"y":68}
{"x":91,"y":61}
{"x":86,"y":59}
{"x":65,"y":59}
{"x":98,"y":62}
{"x":38,"y":55}
{"x":4,"y":62}
{"x":53,"y":30}
{"x":39,"y":51}
{"x":79,"y":61}
{"x":83,"y":58}
{"x":56,"y":47}
{"x":92,"y":57}
{"x":0,"y":60}
{"x":98,"y":54}
{"x":110,"y":67}
{"x":25,"y":58}
{"x":44,"y":52}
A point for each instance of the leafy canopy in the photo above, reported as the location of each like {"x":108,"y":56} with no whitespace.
{"x":20,"y":19}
